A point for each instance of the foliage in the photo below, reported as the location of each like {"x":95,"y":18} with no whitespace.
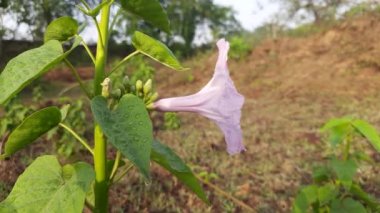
{"x":362,"y":8}
{"x":321,"y":10}
{"x":38,"y":14}
{"x":335,"y":188}
{"x":186,"y":16}
{"x":136,"y":68}
{"x":15,"y":113}
{"x":45,"y":183}
{"x":240,"y":47}
{"x":121,"y":117}
{"x":171,"y":121}
{"x":75,"y":119}
{"x":305,"y":30}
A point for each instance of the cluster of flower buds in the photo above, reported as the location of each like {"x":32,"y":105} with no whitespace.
{"x":140,"y":89}
{"x":145,"y":91}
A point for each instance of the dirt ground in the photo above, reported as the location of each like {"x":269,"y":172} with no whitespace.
{"x":292,"y":86}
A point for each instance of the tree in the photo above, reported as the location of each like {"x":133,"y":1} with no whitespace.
{"x":37,"y":14}
{"x":186,"y":16}
{"x":319,"y":10}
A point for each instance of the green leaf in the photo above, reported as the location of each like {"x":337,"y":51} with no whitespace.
{"x":64,"y":110}
{"x":320,"y":174}
{"x":338,"y":128}
{"x":327,"y":193}
{"x":307,"y":196}
{"x":155,"y":50}
{"x":345,"y":171}
{"x":169,"y":160}
{"x":26,"y":67}
{"x":149,"y":10}
{"x":369,"y":132}
{"x":348,"y":205}
{"x":336,"y":122}
{"x":364,"y":197}
{"x":46,"y":186}
{"x":31,"y":129}
{"x":128,"y":128}
{"x":61,"y":29}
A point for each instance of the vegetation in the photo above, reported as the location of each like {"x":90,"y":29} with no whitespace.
{"x":293,"y":80}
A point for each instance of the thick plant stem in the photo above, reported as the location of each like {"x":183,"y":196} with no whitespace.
{"x":101,"y":179}
{"x":101,"y":51}
{"x":100,"y":149}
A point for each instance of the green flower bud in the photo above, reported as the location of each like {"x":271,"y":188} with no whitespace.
{"x":150,"y":106}
{"x":153,"y":97}
{"x":147,"y":86}
{"x":126,"y":82}
{"x":123,"y":90}
{"x":133,"y":89}
{"x":116,"y":93}
{"x":139,"y":85}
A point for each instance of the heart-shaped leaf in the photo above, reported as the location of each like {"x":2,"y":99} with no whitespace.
{"x":61,"y":29}
{"x":155,"y":50}
{"x":46,"y":186}
{"x":345,"y":170}
{"x":31,"y":129}
{"x":26,"y":67}
{"x":169,"y":160}
{"x":128,"y":128}
{"x":149,"y":10}
{"x":327,"y":192}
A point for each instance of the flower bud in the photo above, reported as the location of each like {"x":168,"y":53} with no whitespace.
{"x":153,"y":97}
{"x":139,"y":85}
{"x":147,"y":86}
{"x":126,"y":82}
{"x":116,"y":93}
{"x":150,"y":106}
{"x":106,"y":87}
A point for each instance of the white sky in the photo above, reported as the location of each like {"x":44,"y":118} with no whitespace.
{"x":251,"y":13}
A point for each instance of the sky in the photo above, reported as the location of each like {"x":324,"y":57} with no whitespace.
{"x":251,"y":13}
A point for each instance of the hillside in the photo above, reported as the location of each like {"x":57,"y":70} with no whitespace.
{"x":292,"y":87}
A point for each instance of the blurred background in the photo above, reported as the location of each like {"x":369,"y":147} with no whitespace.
{"x":297,"y":62}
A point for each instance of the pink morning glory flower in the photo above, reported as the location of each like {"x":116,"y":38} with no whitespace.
{"x":218,"y":100}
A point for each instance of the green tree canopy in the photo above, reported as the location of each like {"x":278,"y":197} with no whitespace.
{"x":187,"y":16}
{"x":319,"y":10}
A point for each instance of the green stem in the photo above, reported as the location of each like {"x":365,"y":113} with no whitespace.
{"x":100,"y":150}
{"x":227,"y":195}
{"x":122,"y":62}
{"x":85,"y":4}
{"x":121,"y":175}
{"x":77,"y":77}
{"x":88,"y":51}
{"x":101,"y":40}
{"x":76,"y":136}
{"x":120,"y":10}
{"x":101,"y":179}
{"x":115,"y":165}
{"x":347,"y":148}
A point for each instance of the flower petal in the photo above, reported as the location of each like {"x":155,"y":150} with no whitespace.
{"x":218,"y":100}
